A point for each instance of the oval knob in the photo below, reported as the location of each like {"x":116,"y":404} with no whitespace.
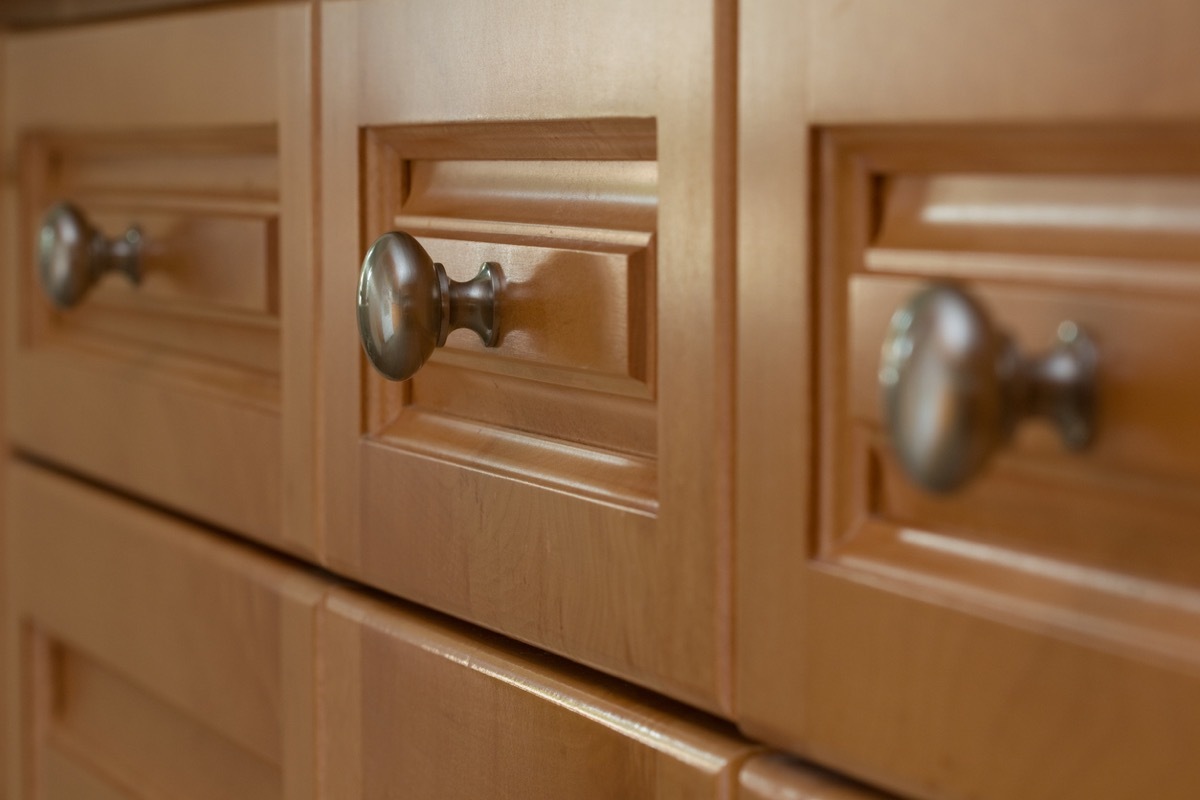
{"x":407,"y":305}
{"x":73,"y":255}
{"x":954,"y":387}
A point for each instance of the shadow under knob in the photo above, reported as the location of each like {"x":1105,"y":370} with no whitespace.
{"x":73,"y":255}
{"x":954,"y":387}
{"x":407,"y":306}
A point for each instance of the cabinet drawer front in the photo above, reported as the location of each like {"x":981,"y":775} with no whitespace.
{"x":187,"y":385}
{"x":1032,"y":632}
{"x":423,"y":708}
{"x":569,"y":486}
{"x":152,"y":659}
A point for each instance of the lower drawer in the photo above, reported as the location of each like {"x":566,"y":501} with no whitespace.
{"x":152,"y":659}
{"x":415,"y":707}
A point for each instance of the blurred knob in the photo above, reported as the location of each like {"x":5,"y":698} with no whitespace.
{"x":407,"y":305}
{"x":954,"y":387}
{"x":73,"y":255}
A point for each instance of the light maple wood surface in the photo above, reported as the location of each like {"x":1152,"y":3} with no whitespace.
{"x":1035,"y":635}
{"x":557,"y":490}
{"x":197,"y":391}
{"x":152,"y":658}
{"x":773,"y":776}
{"x":419,"y":707}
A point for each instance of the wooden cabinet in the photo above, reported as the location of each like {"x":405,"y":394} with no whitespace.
{"x":193,"y":389}
{"x":1033,"y":633}
{"x":421,"y":707}
{"x":673,"y":467}
{"x":569,"y":487}
{"x":151,"y":658}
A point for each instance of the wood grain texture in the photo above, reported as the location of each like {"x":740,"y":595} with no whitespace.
{"x":429,"y":709}
{"x":1072,"y":60}
{"x":34,"y":13}
{"x":773,"y":776}
{"x":775,"y":408}
{"x":628,"y":577}
{"x":155,"y":657}
{"x":199,"y":386}
{"x":886,"y":634}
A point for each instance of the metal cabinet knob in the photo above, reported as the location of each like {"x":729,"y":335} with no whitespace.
{"x":73,"y":255}
{"x":954,"y":387}
{"x":407,"y":305}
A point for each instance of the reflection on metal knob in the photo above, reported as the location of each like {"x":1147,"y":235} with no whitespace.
{"x":72,"y":255}
{"x":954,"y":387}
{"x":407,"y":305}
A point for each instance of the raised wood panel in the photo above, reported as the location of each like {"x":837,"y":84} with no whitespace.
{"x":593,"y":462}
{"x":200,"y":382}
{"x":777,"y":777}
{"x":217,"y":260}
{"x":154,"y":657}
{"x":424,"y":708}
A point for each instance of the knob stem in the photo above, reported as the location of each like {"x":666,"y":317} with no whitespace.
{"x":73,"y":255}
{"x":955,"y":388}
{"x":473,"y":304}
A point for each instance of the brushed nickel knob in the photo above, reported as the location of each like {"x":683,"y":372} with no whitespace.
{"x":955,"y":387}
{"x":73,"y":255}
{"x":407,"y":305}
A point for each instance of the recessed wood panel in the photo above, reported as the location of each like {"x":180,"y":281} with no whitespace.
{"x":564,"y":400}
{"x":114,"y":726}
{"x":1122,"y":250}
{"x":574,"y":238}
{"x":206,"y":205}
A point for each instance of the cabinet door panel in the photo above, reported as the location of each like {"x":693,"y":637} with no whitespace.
{"x":568,"y":487}
{"x":943,"y":645}
{"x":192,"y":388}
{"x":151,"y":658}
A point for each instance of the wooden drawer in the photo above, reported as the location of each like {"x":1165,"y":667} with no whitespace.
{"x":152,"y":659}
{"x":192,"y":388}
{"x":569,"y":487}
{"x":423,"y":708}
{"x":777,"y":777}
{"x":942,"y":645}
